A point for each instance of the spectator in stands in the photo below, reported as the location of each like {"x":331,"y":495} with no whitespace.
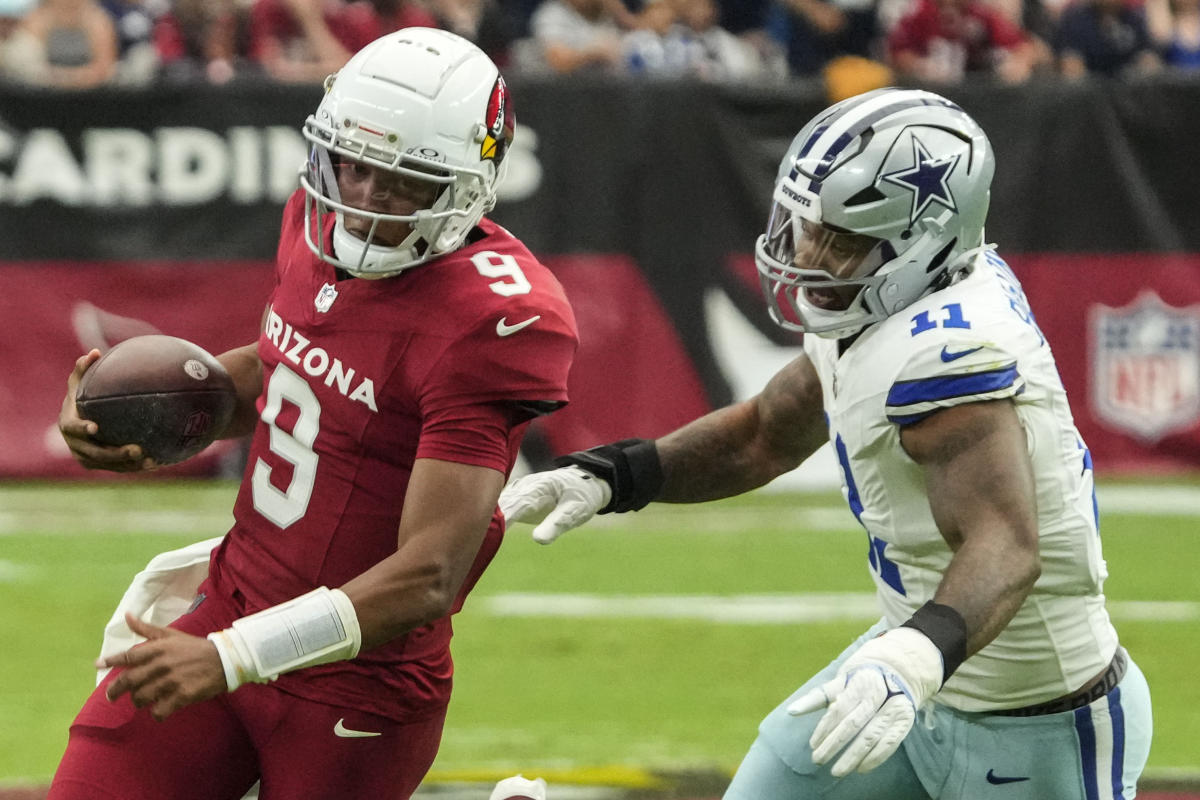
{"x":721,"y":55}
{"x":66,"y":44}
{"x":574,"y":35}
{"x":137,"y":58}
{"x":397,"y":14}
{"x":484,"y":22}
{"x":11,"y":14}
{"x":203,"y":40}
{"x":941,"y":41}
{"x":1104,"y":37}
{"x":305,"y":40}
{"x":682,"y":38}
{"x":1175,"y":27}
{"x":815,"y":31}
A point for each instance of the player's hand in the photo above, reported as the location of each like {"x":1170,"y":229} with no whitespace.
{"x":78,"y":432}
{"x":168,"y":671}
{"x":558,"y":500}
{"x":873,"y":700}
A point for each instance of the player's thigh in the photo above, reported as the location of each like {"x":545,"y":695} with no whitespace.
{"x":117,"y":751}
{"x":321,"y":752}
{"x":1096,"y":752}
{"x":763,"y":775}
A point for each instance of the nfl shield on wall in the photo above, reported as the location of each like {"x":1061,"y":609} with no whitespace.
{"x":1146,"y":367}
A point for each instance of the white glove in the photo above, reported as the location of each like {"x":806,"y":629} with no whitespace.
{"x":518,"y":787}
{"x":559,"y":499}
{"x":873,"y":700}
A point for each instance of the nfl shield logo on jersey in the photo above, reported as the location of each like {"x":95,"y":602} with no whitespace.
{"x":1146,"y":366}
{"x":325,"y":297}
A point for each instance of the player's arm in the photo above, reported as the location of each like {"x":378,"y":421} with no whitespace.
{"x":244,"y":366}
{"x":447,"y":511}
{"x":727,"y":452}
{"x":745,"y":445}
{"x":979,"y":480}
{"x":983,"y":497}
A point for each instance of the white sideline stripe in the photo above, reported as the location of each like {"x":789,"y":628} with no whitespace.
{"x":1114,"y":499}
{"x":1183,"y":501}
{"x":77,"y":522}
{"x":760,"y":609}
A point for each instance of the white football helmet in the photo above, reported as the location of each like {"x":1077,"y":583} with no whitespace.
{"x":880,"y":200}
{"x":427,"y":106}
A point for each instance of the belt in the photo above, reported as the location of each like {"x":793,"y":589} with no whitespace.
{"x":1085,"y":696}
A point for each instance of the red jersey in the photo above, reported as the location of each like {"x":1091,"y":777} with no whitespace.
{"x":974,"y":31}
{"x":360,"y":378}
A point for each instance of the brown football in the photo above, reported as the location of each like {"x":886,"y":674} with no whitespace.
{"x":166,"y":394}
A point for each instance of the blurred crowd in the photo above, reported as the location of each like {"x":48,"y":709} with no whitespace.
{"x":86,"y":43}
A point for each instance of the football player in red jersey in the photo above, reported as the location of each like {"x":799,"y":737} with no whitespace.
{"x":406,"y":345}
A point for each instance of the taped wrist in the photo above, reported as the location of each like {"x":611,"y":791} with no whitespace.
{"x":947,"y":629}
{"x":314,"y":628}
{"x":630,"y":466}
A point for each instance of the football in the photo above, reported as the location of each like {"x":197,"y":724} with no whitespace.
{"x":166,"y":394}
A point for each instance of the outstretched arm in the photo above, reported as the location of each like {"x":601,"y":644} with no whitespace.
{"x":727,"y":452}
{"x":745,"y":445}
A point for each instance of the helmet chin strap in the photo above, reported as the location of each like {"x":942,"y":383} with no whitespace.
{"x":371,"y":261}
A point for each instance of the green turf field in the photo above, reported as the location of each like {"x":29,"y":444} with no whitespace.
{"x":647,"y":682}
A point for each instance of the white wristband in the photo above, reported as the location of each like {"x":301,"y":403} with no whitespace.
{"x":314,"y":628}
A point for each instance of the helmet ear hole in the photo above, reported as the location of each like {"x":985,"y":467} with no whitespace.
{"x":940,"y":257}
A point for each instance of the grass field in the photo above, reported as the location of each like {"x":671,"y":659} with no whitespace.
{"x":667,"y":652}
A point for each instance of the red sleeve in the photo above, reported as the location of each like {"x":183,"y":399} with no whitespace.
{"x":479,"y":394}
{"x":168,"y":41}
{"x":910,"y":34}
{"x":356,"y":25}
{"x":268,"y":23}
{"x":1005,"y":34}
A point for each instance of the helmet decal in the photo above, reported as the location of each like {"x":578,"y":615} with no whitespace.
{"x":905,"y":168}
{"x":500,"y":123}
{"x":926,"y":179}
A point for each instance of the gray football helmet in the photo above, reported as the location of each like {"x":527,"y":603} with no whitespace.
{"x":879,"y":200}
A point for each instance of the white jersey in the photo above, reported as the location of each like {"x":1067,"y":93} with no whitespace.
{"x":975,"y":340}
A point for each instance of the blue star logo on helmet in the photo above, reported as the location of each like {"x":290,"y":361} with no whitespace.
{"x":926,"y":179}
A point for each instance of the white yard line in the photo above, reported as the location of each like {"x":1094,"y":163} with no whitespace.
{"x":203,"y":523}
{"x":758,"y":609}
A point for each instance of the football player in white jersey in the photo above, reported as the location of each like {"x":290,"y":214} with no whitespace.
{"x":995,"y":668}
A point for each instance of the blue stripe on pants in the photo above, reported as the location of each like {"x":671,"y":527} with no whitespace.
{"x":1087,"y":751}
{"x":1118,"y":751}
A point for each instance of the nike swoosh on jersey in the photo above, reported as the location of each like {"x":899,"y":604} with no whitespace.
{"x":504,"y":329}
{"x":349,"y":733}
{"x":993,"y":778}
{"x":948,"y":356}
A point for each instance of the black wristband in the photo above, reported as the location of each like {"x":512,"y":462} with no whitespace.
{"x":630,"y":466}
{"x":947,"y":629}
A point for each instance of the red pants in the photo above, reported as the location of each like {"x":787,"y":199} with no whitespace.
{"x":217,"y":749}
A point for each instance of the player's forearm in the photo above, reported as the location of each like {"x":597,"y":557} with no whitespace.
{"x":244,"y":367}
{"x":400,"y":594}
{"x":743,"y":446}
{"x":718,"y":455}
{"x":987,"y":582}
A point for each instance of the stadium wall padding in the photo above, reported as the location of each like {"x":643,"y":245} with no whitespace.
{"x":129,"y":211}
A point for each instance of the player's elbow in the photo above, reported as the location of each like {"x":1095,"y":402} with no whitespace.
{"x":1026,"y":561}
{"x":434,"y":597}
